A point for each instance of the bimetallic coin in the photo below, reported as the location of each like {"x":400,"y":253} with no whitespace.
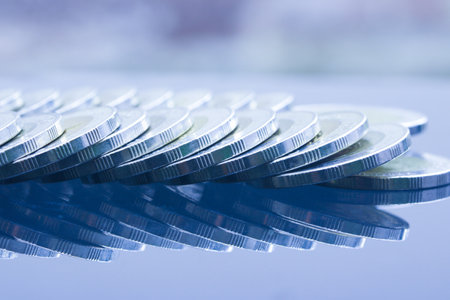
{"x":8,"y":126}
{"x":78,"y":98}
{"x":82,"y":129}
{"x":273,"y":101}
{"x":41,"y":101}
{"x":210,"y":126}
{"x":295,"y":130}
{"x":10,"y":99}
{"x":232,"y":99}
{"x":165,"y":126}
{"x":190,"y":99}
{"x":254,"y":127}
{"x":408,"y":172}
{"x":118,"y":97}
{"x":381,"y":144}
{"x":37,"y":131}
{"x":133,"y":122}
{"x":153,"y":98}
{"x":338,"y":130}
{"x":416,"y":122}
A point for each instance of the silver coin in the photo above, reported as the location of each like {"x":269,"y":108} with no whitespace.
{"x":37,"y":131}
{"x":77,"y":98}
{"x":190,"y":99}
{"x":408,"y":172}
{"x":254,"y":127}
{"x":273,"y":101}
{"x":232,"y":99}
{"x":295,"y":130}
{"x":210,"y":125}
{"x":82,"y":129}
{"x":382,"y":143}
{"x":14,"y":245}
{"x":153,"y":98}
{"x":338,"y":130}
{"x":9,"y":127}
{"x":10,"y":99}
{"x":165,"y":126}
{"x":124,"y":97}
{"x":133,"y":122}
{"x":416,"y":122}
{"x":359,"y":220}
{"x":40,"y":101}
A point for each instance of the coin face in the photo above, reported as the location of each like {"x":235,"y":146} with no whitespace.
{"x":338,"y":130}
{"x":273,"y":101}
{"x":9,"y":127}
{"x":210,"y":125}
{"x":232,"y":99}
{"x":10,"y":99}
{"x":254,"y":127}
{"x":415,"y":121}
{"x":190,"y":99}
{"x":77,"y":98}
{"x":40,"y":101}
{"x":37,"y":131}
{"x":408,"y":172}
{"x":153,"y":98}
{"x":381,"y":144}
{"x":124,"y":97}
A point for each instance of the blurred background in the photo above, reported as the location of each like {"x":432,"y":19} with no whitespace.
{"x":404,"y":37}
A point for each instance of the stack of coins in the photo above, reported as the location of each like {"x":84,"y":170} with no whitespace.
{"x":235,"y":169}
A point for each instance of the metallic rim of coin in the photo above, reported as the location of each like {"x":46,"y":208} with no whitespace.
{"x":254,"y":127}
{"x":382,"y":143}
{"x":273,"y":101}
{"x":10,"y":99}
{"x":9,"y":126}
{"x":103,"y":223}
{"x":153,"y":98}
{"x":217,"y":217}
{"x":171,"y":216}
{"x":232,"y":99}
{"x":16,"y":246}
{"x":169,"y":124}
{"x":210,"y":126}
{"x":190,"y":99}
{"x":78,"y":98}
{"x":37,"y":131}
{"x":416,"y":122}
{"x":51,"y":222}
{"x":359,"y":220}
{"x":151,"y":226}
{"x":118,"y":97}
{"x":339,"y":130}
{"x":267,"y":218}
{"x":54,"y":243}
{"x":40,"y":101}
{"x":133,"y":122}
{"x":295,"y":130}
{"x":82,"y":129}
{"x":408,"y":172}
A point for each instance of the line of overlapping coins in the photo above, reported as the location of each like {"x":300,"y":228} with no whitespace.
{"x":193,"y":141}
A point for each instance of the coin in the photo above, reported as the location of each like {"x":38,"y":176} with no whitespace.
{"x":165,"y":126}
{"x":254,"y":127}
{"x":408,"y":172}
{"x":295,"y":130}
{"x":153,"y":98}
{"x":14,"y":245}
{"x":40,"y":101}
{"x":133,"y":122}
{"x":37,"y":131}
{"x":190,"y":99}
{"x":273,"y":101}
{"x":82,"y":129}
{"x":124,"y":97}
{"x":231,"y":99}
{"x":382,"y":143}
{"x":10,"y":99}
{"x":210,"y":125}
{"x":77,"y":98}
{"x":9,"y":127}
{"x":415,"y":121}
{"x":338,"y":130}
